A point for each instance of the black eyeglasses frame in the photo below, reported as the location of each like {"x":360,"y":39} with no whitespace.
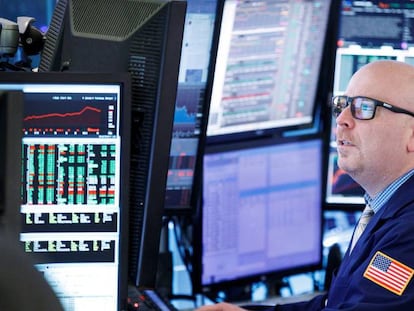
{"x":336,"y":111}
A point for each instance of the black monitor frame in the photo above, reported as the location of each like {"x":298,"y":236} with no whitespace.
{"x":11,"y":116}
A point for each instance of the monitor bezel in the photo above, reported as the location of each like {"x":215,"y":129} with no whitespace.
{"x":11,"y":139}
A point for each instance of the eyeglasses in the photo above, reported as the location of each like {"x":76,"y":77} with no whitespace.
{"x":362,"y":108}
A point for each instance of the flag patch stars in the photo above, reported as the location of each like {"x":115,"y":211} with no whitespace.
{"x":388,"y":273}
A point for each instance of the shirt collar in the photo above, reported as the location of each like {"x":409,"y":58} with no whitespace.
{"x":381,"y":198}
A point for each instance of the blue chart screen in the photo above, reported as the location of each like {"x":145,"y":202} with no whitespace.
{"x":261,"y":210}
{"x":190,"y":104}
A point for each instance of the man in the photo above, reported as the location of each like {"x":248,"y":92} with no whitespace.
{"x":375,"y":138}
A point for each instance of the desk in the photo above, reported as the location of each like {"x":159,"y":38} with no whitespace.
{"x":270,"y":301}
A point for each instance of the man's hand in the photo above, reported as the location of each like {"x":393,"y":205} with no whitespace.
{"x":223,"y":306}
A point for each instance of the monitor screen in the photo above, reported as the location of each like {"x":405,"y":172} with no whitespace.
{"x":368,"y":31}
{"x":262,"y":210}
{"x":267,"y":66}
{"x":74,"y":204}
{"x":191,"y":108}
{"x":376,"y":23}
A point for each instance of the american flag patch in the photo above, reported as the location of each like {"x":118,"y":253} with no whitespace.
{"x":388,"y":273}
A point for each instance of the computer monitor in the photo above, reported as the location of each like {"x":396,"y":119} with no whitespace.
{"x":261,"y":213}
{"x":191,"y":108}
{"x":74,"y":183}
{"x":268,"y":66}
{"x":372,"y":24}
{"x":368,"y":31}
{"x":144,"y":38}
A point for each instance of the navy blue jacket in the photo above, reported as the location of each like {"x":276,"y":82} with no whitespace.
{"x":391,"y":232}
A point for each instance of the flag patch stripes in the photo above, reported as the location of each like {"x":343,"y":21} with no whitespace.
{"x":388,"y":273}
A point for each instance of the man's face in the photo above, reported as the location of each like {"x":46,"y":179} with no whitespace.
{"x":372,"y":151}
